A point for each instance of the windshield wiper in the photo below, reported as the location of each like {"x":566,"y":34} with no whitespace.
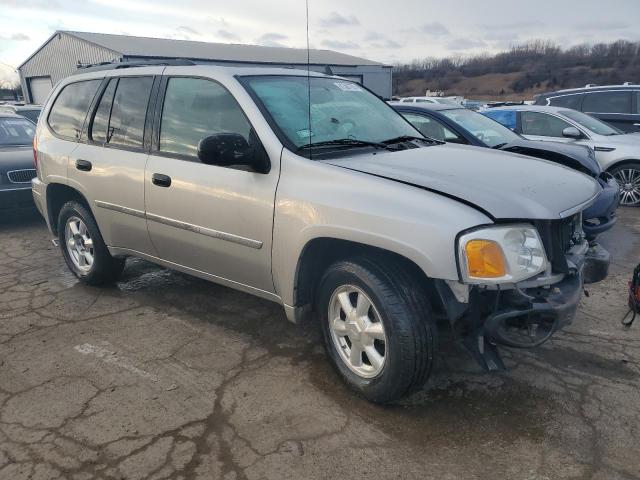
{"x":499,"y":146}
{"x":346,"y":142}
{"x":408,"y":138}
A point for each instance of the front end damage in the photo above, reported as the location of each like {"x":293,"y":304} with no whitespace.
{"x":528,"y":313}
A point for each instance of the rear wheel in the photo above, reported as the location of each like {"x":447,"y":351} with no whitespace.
{"x":378,"y":329}
{"x":628,"y":177}
{"x":83,"y":248}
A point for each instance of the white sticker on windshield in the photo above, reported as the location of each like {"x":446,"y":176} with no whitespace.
{"x":305,"y":133}
{"x":348,"y":86}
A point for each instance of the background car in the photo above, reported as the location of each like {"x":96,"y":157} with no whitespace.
{"x":463,"y":126}
{"x":16,"y":164}
{"x":32,"y":112}
{"x":618,"y":105}
{"x":431,"y":100}
{"x":618,"y":153}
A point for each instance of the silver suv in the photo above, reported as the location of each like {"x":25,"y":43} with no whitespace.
{"x":336,"y":208}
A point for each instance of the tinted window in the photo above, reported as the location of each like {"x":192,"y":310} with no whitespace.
{"x":431,"y":128}
{"x":70,"y":108}
{"x":195,"y":108}
{"x":30,"y":114}
{"x":129,"y":110}
{"x":506,"y":118}
{"x":607,"y":102}
{"x":567,"y":101}
{"x":541,"y":124}
{"x":100,"y":123}
{"x":16,"y":131}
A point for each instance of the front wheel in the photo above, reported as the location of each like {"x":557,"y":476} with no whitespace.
{"x":628,"y":177}
{"x":83,"y":248}
{"x":378,"y":329}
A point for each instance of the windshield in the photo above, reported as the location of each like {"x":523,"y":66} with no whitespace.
{"x":30,"y":114}
{"x":591,"y":123}
{"x":339,"y":109}
{"x":484,"y":129}
{"x":16,"y":131}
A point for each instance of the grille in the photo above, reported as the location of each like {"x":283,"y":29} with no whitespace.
{"x":21,"y":176}
{"x":558,"y":237}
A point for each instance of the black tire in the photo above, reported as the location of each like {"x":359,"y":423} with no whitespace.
{"x":105,"y":268}
{"x":404,"y":310}
{"x":621,"y":174}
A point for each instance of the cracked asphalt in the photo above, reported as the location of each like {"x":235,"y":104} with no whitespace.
{"x":164,"y":376}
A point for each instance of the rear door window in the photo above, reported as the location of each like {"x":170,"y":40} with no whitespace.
{"x":607,"y":102}
{"x":100,"y":124}
{"x":542,"y":125}
{"x":70,"y":108}
{"x":567,"y":101}
{"x":129,"y":111}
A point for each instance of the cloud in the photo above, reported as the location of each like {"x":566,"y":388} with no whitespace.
{"x":465,"y":44}
{"x":16,"y":37}
{"x":189,"y":30}
{"x":434,"y":29}
{"x":339,"y":45}
{"x":272,"y":39}
{"x":8,"y":77}
{"x":378,"y":40}
{"x":602,"y":25}
{"x":227,"y":35}
{"x":334,"y":19}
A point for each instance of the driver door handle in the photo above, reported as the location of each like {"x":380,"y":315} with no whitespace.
{"x":161,"y":180}
{"x":84,"y":165}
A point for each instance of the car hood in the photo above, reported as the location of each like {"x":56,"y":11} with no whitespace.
{"x":500,"y":184}
{"x":15,"y":158}
{"x":577,"y":157}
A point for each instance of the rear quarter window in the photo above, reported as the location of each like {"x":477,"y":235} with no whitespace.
{"x":70,"y":108}
{"x":567,"y":101}
{"x":607,"y":102}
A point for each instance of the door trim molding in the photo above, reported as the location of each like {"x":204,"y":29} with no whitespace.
{"x":120,"y":208}
{"x":209,"y":232}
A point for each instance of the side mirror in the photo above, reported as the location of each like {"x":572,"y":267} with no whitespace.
{"x":572,"y":132}
{"x":230,"y":149}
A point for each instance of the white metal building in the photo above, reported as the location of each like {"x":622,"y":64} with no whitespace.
{"x":61,"y":54}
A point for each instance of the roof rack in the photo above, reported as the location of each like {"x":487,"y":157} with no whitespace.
{"x":116,"y":65}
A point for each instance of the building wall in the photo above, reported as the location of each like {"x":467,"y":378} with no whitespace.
{"x":58,"y":59}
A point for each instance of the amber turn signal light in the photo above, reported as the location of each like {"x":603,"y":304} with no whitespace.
{"x":485,"y":259}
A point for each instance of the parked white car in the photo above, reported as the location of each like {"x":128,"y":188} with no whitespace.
{"x":617,"y":152}
{"x":441,"y":100}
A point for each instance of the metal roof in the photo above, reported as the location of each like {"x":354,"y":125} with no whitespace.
{"x":227,"y":52}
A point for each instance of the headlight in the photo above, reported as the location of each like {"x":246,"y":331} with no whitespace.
{"x":501,"y":254}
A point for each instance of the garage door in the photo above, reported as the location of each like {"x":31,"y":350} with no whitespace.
{"x":39,"y":88}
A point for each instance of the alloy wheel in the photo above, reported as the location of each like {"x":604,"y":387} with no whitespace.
{"x":357,"y":331}
{"x":629,"y":181}
{"x":79,"y":244}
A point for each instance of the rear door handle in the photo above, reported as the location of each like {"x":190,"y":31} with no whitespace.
{"x":84,"y":165}
{"x":161,"y":180}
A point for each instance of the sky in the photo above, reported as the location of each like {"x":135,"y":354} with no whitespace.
{"x":389,"y":31}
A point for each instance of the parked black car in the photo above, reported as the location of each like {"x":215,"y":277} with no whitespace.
{"x":16,"y":164}
{"x":464,"y":126}
{"x":31,"y":112}
{"x":618,"y":105}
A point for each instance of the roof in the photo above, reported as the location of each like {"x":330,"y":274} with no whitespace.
{"x":593,"y":88}
{"x":532,"y":108}
{"x":130,"y":46}
{"x":426,"y":106}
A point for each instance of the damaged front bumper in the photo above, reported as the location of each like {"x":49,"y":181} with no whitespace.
{"x":523,"y":315}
